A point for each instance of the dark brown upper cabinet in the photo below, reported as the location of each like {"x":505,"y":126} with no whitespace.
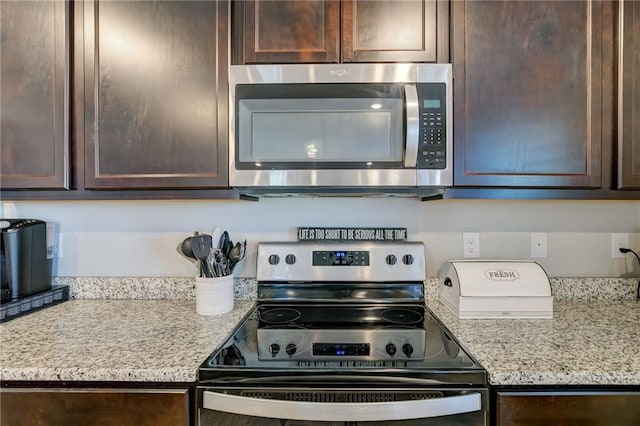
{"x":395,"y":31}
{"x":34,"y":94}
{"x":155,"y":94}
{"x":531,"y":92}
{"x":268,"y":31}
{"x":332,"y":31}
{"x":629,"y":96}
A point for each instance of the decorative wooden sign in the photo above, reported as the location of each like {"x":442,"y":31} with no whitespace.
{"x":352,"y":234}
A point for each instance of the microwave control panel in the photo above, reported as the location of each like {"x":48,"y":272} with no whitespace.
{"x":432,"y":148}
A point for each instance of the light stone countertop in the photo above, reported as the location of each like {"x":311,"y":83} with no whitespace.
{"x":586,"y":343}
{"x":113,"y":340}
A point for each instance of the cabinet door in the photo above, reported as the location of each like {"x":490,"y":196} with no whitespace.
{"x":394,"y":31}
{"x":155,"y":94}
{"x":34,"y":94}
{"x":528,"y":83}
{"x":69,"y":406}
{"x":629,"y":96}
{"x":288,"y":31}
{"x":567,"y":408}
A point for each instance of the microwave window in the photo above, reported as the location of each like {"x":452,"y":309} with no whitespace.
{"x":320,"y":130}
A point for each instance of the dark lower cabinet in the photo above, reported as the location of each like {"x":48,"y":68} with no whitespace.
{"x":568,"y":408}
{"x":34,"y":94}
{"x":629,"y":96}
{"x":94,"y":406}
{"x":533,"y":88}
{"x":155,"y":94}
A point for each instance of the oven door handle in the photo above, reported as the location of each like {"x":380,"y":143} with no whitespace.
{"x":413,"y":120}
{"x":342,"y":411}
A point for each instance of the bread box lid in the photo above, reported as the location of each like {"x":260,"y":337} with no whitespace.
{"x":496,"y":289}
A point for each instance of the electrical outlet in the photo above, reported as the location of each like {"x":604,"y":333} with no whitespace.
{"x":538,"y":245}
{"x":471,"y":244}
{"x":617,"y":241}
{"x":50,"y":238}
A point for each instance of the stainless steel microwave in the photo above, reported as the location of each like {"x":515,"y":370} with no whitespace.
{"x":340,"y":128}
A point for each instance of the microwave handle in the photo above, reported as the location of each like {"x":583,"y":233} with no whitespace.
{"x":413,"y":125}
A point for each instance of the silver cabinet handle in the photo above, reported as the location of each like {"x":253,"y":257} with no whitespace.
{"x":413,"y":121}
{"x":341,"y":412}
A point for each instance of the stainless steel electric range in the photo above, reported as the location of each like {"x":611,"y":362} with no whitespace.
{"x":340,"y":335}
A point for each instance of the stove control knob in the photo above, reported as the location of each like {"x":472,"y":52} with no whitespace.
{"x":391,"y":349}
{"x":291,"y":349}
{"x":274,"y":259}
{"x":407,"y":259}
{"x":290,"y":259}
{"x":274,"y":348}
{"x":407,"y":349}
{"x":391,"y":259}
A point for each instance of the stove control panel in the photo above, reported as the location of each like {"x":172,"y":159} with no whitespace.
{"x":341,"y":262}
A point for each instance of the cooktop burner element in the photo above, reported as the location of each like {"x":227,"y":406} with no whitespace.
{"x":279,"y":315}
{"x":402,"y":316}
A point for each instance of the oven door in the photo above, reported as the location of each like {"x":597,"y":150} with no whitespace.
{"x":292,"y":406}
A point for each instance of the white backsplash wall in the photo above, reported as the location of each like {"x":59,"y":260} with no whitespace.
{"x":140,"y":238}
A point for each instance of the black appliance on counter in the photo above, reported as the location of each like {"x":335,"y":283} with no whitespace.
{"x":340,"y":335}
{"x":25,"y":264}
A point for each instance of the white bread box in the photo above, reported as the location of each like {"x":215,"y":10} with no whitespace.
{"x":496,"y":289}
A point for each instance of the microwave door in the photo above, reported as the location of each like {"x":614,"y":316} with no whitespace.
{"x":324,"y":135}
{"x":413,"y":125}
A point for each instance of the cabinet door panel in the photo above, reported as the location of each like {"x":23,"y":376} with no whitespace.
{"x":94,"y":407}
{"x":155,"y":93}
{"x":629,"y":97}
{"x":568,"y":408}
{"x":290,"y":31}
{"x":528,"y":93}
{"x":34,"y":93}
{"x":392,"y":31}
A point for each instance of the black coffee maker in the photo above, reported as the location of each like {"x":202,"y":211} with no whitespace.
{"x":25,"y":267}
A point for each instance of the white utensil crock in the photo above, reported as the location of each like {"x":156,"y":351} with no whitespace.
{"x":214,"y":296}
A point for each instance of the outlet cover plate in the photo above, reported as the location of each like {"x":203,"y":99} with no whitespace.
{"x":470,"y":244}
{"x":618,"y":240}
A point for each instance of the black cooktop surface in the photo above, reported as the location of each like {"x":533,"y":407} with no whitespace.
{"x":444,"y":360}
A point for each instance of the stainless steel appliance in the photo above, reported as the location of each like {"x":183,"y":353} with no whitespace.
{"x":25,"y":258}
{"x":340,"y":335}
{"x":340,"y":128}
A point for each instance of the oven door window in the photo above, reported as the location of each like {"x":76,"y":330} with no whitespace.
{"x":319,"y":126}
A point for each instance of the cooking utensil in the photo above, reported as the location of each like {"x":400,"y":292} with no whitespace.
{"x":201,"y":247}
{"x":186,"y":250}
{"x":218,"y":263}
{"x":215,"y":237}
{"x":236,"y":254}
{"x":224,"y":242}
